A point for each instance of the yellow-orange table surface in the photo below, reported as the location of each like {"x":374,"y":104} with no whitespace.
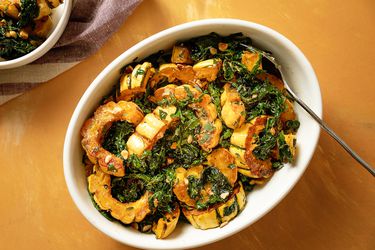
{"x":332,"y":206}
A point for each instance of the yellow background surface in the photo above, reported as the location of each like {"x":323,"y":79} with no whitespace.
{"x":332,"y":206}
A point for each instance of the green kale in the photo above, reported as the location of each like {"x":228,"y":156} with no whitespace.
{"x":200,"y":47}
{"x":225,"y":137}
{"x":284,"y":151}
{"x":116,"y":137}
{"x":187,"y":150}
{"x":150,"y":161}
{"x":11,"y":47}
{"x":229,"y":210}
{"x":214,"y":91}
{"x":127,"y":190}
{"x":262,"y":99}
{"x":194,"y":186}
{"x":219,"y":185}
{"x":245,"y":180}
{"x":29,"y":11}
{"x":144,"y":103}
{"x":266,"y":140}
{"x":161,"y":187}
{"x":265,"y":144}
{"x":291,"y":126}
{"x":188,"y":154}
{"x":162,"y":114}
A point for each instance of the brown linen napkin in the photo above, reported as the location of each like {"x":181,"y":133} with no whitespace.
{"x":91,"y":23}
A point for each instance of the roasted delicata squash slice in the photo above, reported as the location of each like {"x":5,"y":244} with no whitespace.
{"x":134,"y":83}
{"x":243,"y":143}
{"x":181,"y":54}
{"x":290,"y":140}
{"x":273,"y":80}
{"x":94,"y":129}
{"x":257,"y":168}
{"x":288,"y":113}
{"x":44,"y":9}
{"x":99,"y":185}
{"x":207,"y":70}
{"x":180,"y":93}
{"x":150,"y":129}
{"x":217,"y":215}
{"x":10,"y":8}
{"x":199,"y":74}
{"x":237,"y":149}
{"x":164,"y":226}
{"x":209,"y":135}
{"x":223,"y":160}
{"x":180,"y":187}
{"x":233,"y":110}
{"x":42,"y":27}
{"x":251,"y":60}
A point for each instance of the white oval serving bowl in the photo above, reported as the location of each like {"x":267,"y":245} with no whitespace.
{"x":60,"y":17}
{"x":261,"y":200}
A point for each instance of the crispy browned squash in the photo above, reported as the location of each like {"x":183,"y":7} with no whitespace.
{"x":233,"y":110}
{"x":93,"y":132}
{"x":164,"y":226}
{"x":99,"y":185}
{"x":220,"y":214}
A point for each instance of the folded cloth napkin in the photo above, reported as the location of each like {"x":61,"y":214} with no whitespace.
{"x":91,"y":23}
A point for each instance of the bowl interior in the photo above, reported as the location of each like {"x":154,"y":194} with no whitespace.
{"x":60,"y":17}
{"x":262,"y":199}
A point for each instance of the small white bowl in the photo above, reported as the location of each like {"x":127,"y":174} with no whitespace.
{"x":60,"y":17}
{"x":261,"y":200}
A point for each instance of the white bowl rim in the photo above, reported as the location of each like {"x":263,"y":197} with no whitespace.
{"x":46,"y":45}
{"x":73,"y":190}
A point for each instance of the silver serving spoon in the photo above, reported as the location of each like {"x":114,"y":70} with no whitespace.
{"x":308,"y":110}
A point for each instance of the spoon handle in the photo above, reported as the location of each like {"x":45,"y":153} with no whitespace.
{"x":331,"y":133}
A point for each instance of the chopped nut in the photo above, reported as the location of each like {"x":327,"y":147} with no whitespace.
{"x":213,"y":51}
{"x":190,"y":139}
{"x":223,"y":46}
{"x":11,"y":33}
{"x":273,"y":131}
{"x":174,"y":145}
{"x":186,"y":181}
{"x":125,"y":154}
{"x":156,"y":202}
{"x":24,"y":35}
{"x":107,"y":158}
{"x":170,"y":161}
{"x":224,"y":195}
{"x":146,"y":228}
{"x":3,"y":22}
